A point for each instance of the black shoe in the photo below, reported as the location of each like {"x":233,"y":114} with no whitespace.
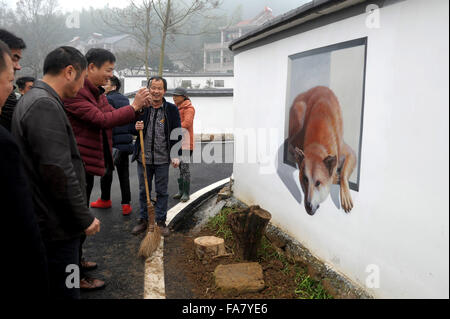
{"x":88,"y":265}
{"x":89,"y":284}
{"x":140,"y":227}
{"x":165,"y":231}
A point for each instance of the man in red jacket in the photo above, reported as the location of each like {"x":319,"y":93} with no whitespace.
{"x":92,"y":120}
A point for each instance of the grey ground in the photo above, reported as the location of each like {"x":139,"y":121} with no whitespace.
{"x":115,"y":248}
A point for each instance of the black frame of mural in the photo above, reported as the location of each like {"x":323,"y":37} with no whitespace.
{"x":329,"y":48}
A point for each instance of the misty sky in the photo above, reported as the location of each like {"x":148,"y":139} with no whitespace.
{"x":66,"y":5}
{"x":249,"y":7}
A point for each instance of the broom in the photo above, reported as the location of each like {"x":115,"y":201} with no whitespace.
{"x":153,"y":237}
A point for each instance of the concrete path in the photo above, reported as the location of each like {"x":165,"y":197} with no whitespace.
{"x":163,"y":278}
{"x":115,"y":248}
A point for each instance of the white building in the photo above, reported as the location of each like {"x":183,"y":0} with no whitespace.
{"x":216,"y":56}
{"x":213,"y":112}
{"x":115,"y":44}
{"x":388,"y":61}
{"x":189,"y":81}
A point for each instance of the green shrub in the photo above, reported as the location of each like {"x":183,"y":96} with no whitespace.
{"x":219,"y":225}
{"x":308,"y":288}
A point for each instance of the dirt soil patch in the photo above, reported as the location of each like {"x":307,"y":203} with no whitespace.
{"x":188,"y":277}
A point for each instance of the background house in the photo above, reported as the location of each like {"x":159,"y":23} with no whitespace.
{"x":217,"y":57}
{"x":115,"y":44}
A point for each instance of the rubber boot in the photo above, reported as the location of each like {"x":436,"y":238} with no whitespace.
{"x":180,"y":189}
{"x":186,"y":187}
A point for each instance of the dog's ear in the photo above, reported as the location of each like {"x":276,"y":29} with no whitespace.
{"x":299,"y":155}
{"x":330,"y":163}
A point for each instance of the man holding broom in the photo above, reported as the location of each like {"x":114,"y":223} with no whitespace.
{"x":159,"y":124}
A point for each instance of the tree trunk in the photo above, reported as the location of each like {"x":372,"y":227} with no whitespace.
{"x":163,"y":40}
{"x":147,"y":43}
{"x":248,"y":226}
{"x":208,"y":247}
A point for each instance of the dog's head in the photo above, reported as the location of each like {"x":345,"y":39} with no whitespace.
{"x":316,"y":176}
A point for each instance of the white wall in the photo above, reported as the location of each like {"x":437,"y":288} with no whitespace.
{"x":132,"y":84}
{"x":213,"y":115}
{"x":400,"y":218}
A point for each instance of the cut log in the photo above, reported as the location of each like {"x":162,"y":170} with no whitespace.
{"x":248,"y":225}
{"x":208,"y":247}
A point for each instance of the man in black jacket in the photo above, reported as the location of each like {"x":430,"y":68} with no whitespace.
{"x":20,"y":232}
{"x":122,"y":149}
{"x":55,"y":168}
{"x":162,"y":133}
{"x":16,"y":45}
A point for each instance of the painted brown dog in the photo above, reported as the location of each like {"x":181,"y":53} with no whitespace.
{"x":316,"y":141}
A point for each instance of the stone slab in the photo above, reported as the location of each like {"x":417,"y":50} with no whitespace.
{"x":239,"y":278}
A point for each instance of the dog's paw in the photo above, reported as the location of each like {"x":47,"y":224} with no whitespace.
{"x":346,"y":199}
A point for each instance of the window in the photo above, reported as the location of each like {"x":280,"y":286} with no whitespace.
{"x":341,"y":68}
{"x":219,"y":83}
{"x":187,"y":84}
{"x":214,"y":57}
{"x":226,"y":58}
{"x":231,"y":36}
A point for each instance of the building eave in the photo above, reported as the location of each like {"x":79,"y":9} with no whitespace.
{"x":307,"y":12}
{"x":195,"y":93}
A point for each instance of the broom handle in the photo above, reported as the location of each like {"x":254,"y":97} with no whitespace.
{"x":149,"y":203}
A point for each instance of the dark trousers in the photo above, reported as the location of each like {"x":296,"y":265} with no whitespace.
{"x":161,"y":174}
{"x":122,"y":166}
{"x":80,"y":255}
{"x":89,"y":186}
{"x":61,"y":254}
{"x":186,"y":158}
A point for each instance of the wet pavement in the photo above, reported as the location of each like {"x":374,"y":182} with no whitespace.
{"x":115,"y":248}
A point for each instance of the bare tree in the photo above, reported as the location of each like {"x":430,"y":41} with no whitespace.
{"x":129,"y":61}
{"x":134,"y":20}
{"x":39,"y":24}
{"x":6,"y":15}
{"x":173,"y":15}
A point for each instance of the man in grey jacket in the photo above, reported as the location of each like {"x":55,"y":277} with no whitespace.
{"x":55,"y":168}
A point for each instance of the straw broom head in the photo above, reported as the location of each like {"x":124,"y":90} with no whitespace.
{"x":151,"y":240}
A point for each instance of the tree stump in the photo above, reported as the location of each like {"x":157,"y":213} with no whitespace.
{"x":208,"y":247}
{"x":248,"y":226}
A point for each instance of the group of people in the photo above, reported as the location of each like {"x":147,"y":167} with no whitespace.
{"x":61,"y":132}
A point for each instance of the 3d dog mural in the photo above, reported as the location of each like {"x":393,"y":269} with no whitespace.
{"x":316,"y":141}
